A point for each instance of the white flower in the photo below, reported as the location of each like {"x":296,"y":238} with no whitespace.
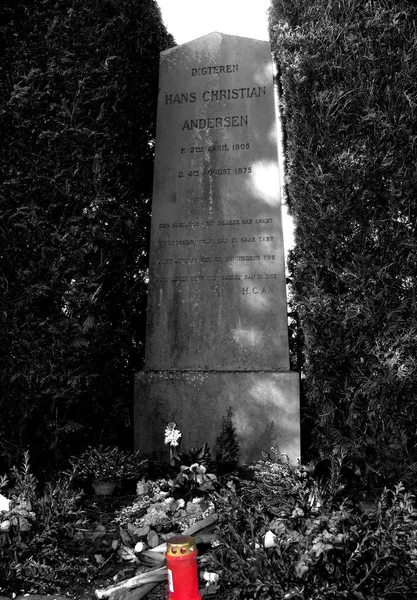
{"x":139,"y":547}
{"x":210,"y":577}
{"x":270,"y":540}
{"x":196,"y":468}
{"x":142,"y":488}
{"x":5,"y":526}
{"x":172,"y":434}
{"x":4,"y":504}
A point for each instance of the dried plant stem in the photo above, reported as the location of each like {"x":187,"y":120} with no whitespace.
{"x":151,"y":577}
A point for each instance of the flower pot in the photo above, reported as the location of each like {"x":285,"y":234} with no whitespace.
{"x":104,"y":488}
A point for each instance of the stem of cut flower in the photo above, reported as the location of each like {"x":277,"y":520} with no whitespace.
{"x":173,"y":454}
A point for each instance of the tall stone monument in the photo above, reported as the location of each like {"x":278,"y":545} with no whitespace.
{"x":217,"y":331}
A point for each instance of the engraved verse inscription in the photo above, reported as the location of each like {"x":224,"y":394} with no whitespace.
{"x":216,"y":150}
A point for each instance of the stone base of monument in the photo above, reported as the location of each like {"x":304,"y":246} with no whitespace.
{"x":266,"y":410}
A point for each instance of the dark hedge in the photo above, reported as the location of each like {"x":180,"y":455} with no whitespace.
{"x":78,"y":96}
{"x":348,"y":78}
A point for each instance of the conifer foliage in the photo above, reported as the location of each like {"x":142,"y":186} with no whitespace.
{"x":78,"y":104}
{"x":226,"y":450}
{"x":348,"y":76}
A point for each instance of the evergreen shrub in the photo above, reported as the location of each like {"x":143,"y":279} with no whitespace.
{"x":347,"y":71}
{"x":78,"y":91}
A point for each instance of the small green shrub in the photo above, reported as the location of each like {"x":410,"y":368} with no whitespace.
{"x":37,"y":532}
{"x":25,"y":483}
{"x":226,"y":449}
{"x":279,"y":489}
{"x":107,"y":463}
{"x":192,"y":481}
{"x":285,"y":543}
{"x":200,"y":455}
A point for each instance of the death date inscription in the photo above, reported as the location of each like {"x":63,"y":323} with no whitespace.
{"x":215,"y":172}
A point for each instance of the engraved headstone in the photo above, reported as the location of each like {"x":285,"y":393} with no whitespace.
{"x":217,"y":332}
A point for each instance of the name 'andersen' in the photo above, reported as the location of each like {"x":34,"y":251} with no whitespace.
{"x":216,"y":122}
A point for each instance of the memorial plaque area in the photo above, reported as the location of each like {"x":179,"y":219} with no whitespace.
{"x":264,"y":404}
{"x":217,"y":281}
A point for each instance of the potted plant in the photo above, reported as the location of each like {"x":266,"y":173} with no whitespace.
{"x":108,"y":466}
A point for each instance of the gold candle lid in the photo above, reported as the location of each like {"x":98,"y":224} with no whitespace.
{"x":180,"y":545}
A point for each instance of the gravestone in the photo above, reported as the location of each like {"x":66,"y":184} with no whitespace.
{"x":217,"y":330}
